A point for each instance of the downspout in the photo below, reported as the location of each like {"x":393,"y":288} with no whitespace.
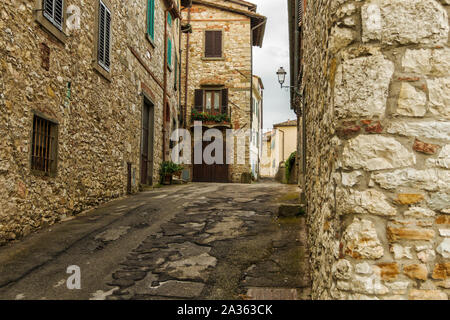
{"x":296,"y":47}
{"x":187,"y":70}
{"x":165,"y":84}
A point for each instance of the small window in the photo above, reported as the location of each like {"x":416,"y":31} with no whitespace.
{"x":211,"y":101}
{"x":44,"y":145}
{"x":213,"y":44}
{"x":104,"y":37}
{"x":53,"y":10}
{"x":151,"y":19}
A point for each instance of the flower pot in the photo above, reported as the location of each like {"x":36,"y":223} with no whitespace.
{"x":167,"y":179}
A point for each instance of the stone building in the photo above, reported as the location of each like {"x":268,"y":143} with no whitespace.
{"x":374,"y":81}
{"x":88,"y":90}
{"x":217,"y":76}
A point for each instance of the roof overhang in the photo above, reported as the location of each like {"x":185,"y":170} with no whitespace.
{"x":186,"y":3}
{"x":258,"y":22}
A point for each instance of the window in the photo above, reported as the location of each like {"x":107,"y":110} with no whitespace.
{"x":53,"y":10}
{"x":44,"y":146}
{"x":104,"y":37}
{"x":213,"y":44}
{"x":151,"y":19}
{"x":212,"y":101}
{"x":169,"y":52}
{"x":50,"y":14}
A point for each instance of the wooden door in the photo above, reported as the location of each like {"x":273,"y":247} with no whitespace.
{"x":211,"y":172}
{"x":147,"y":144}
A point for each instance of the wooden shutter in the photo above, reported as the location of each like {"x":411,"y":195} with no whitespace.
{"x":53,"y":10}
{"x":218,"y":43}
{"x":198,"y":103}
{"x":151,"y":19}
{"x":213,"y":44}
{"x":59,"y":13}
{"x":169,"y":52}
{"x":108,"y":39}
{"x":104,"y":37}
{"x":225,"y":101}
{"x":48,"y":9}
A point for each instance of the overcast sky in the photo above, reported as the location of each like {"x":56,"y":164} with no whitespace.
{"x":273,"y":55}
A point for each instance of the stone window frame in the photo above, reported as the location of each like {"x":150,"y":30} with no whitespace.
{"x":47,"y":25}
{"x":221,"y":58}
{"x":55,"y":127}
{"x":95,"y":63}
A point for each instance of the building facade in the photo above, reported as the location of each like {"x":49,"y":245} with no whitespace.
{"x":257,"y":126}
{"x":372,"y":82}
{"x":88,"y":93}
{"x":217,"y":78}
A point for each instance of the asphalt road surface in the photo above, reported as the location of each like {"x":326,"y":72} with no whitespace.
{"x":194,"y":241}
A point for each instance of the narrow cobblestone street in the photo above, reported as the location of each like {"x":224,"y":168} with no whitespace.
{"x":195,"y":241}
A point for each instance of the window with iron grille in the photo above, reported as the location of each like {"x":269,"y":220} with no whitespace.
{"x":44,"y":145}
{"x":104,"y":37}
{"x":213,"y":44}
{"x":53,"y":10}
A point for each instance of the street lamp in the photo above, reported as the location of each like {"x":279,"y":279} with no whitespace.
{"x":281,"y":73}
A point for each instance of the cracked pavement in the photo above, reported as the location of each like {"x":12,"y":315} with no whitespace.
{"x":194,"y":241}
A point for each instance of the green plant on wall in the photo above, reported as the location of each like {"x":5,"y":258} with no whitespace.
{"x":203,"y":116}
{"x":289,"y":164}
{"x":169,"y":168}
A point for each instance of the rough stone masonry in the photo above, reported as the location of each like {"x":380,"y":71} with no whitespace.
{"x":377,"y":96}
{"x":51,"y":73}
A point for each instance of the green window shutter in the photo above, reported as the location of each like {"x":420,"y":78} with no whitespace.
{"x":169,"y":19}
{"x":169,"y":52}
{"x":151,"y":19}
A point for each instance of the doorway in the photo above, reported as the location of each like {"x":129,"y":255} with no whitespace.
{"x":147,"y":142}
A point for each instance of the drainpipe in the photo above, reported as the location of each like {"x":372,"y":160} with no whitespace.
{"x":296,"y":46}
{"x":187,"y":70}
{"x":165,"y":83}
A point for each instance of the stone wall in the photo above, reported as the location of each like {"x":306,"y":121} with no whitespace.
{"x":99,"y":126}
{"x":233,"y":71}
{"x":377,"y":111}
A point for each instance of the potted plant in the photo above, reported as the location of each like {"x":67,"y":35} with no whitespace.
{"x":208,"y":118}
{"x":168,"y":170}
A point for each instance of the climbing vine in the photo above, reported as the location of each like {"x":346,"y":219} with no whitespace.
{"x":289,"y":164}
